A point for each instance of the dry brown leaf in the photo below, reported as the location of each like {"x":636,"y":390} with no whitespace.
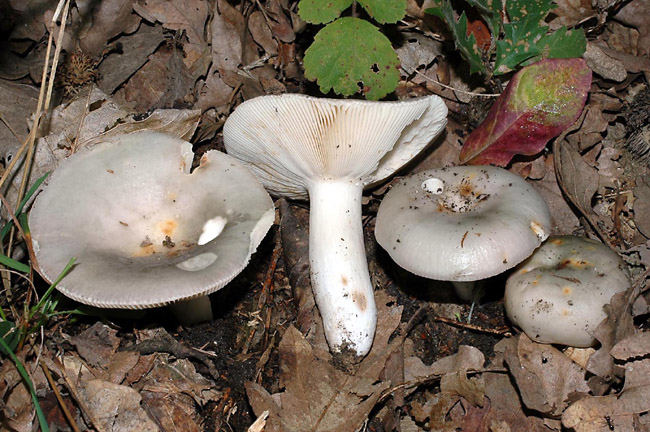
{"x":545,"y":377}
{"x":580,"y":180}
{"x":97,"y":344}
{"x":606,"y":413}
{"x":102,"y":22}
{"x":637,"y":373}
{"x":115,"y":69}
{"x":319,"y":397}
{"x":636,"y":14}
{"x":604,"y":65}
{"x":642,"y":205}
{"x":190,"y":17}
{"x":232,"y":46}
{"x":636,"y":345}
{"x":279,"y":22}
{"x":609,"y":168}
{"x":261,"y":32}
{"x":467,"y":358}
{"x":617,"y":326}
{"x":115,"y":407}
{"x":571,"y":12}
{"x":176,"y":377}
{"x":120,"y":365}
{"x":13,"y":66}
{"x":459,"y":384}
{"x":17,"y":103}
{"x":417,"y":51}
{"x":163,"y":82}
{"x":563,"y":219}
{"x":30,"y":22}
{"x":506,"y":413}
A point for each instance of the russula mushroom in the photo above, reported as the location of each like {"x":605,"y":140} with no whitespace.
{"x":147,"y":231}
{"x":328,"y":150}
{"x":557,"y":295}
{"x":461,"y":224}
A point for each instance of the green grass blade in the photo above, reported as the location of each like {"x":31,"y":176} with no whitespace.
{"x":48,"y":293}
{"x":23,"y":373}
{"x":13,"y":264}
{"x":32,"y":190}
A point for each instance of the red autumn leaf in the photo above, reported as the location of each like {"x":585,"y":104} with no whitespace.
{"x":540,"y":101}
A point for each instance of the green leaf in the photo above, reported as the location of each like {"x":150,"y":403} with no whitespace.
{"x":10,"y":335}
{"x":23,"y":373}
{"x":28,"y":196}
{"x":385,"y":11}
{"x":13,"y":264}
{"x":320,"y":11}
{"x":351,"y":55}
{"x":563,"y":43}
{"x":467,"y":45}
{"x":539,"y":102}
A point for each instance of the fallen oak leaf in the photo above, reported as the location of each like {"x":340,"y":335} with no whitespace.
{"x":540,"y":101}
{"x":606,"y":413}
{"x":319,"y":397}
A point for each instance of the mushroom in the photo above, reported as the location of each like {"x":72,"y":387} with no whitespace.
{"x":146,"y":229}
{"x":461,"y":224}
{"x":328,"y":150}
{"x":557,"y":295}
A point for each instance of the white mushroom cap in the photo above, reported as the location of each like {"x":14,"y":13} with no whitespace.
{"x":461,"y":224}
{"x":144,"y":230}
{"x":292,"y":139}
{"x":329,"y":150}
{"x":557,"y":295}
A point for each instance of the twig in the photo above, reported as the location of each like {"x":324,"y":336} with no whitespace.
{"x":447,"y":86}
{"x":75,"y":395}
{"x":497,"y":331}
{"x":55,"y":389}
{"x":414,"y":383}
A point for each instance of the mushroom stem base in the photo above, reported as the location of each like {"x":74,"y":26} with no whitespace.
{"x":338,"y":266}
{"x":465,"y":290}
{"x":192,"y":311}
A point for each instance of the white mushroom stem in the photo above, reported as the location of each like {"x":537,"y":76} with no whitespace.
{"x":192,"y":311}
{"x":464,"y":290}
{"x":339,"y":270}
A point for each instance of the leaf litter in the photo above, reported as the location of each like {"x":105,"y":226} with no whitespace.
{"x":182,"y":70}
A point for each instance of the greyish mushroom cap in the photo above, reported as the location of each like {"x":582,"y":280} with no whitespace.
{"x":461,"y":224}
{"x":292,"y":139}
{"x":144,"y":230}
{"x":557,"y":295}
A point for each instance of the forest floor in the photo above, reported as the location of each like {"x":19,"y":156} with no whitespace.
{"x":262,"y":363}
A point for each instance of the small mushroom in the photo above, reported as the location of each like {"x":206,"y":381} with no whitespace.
{"x":145,"y":229}
{"x":557,"y":295}
{"x":328,"y":150}
{"x":461,"y":224}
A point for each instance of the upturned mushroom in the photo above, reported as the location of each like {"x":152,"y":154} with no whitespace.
{"x":461,"y":224}
{"x":145,"y":229}
{"x":328,"y":150}
{"x":557,"y":295}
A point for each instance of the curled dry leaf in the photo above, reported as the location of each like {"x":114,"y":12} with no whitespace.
{"x":189,"y":17}
{"x":636,"y":345}
{"x":103,"y":21}
{"x":117,"y":68}
{"x":606,"y":413}
{"x":540,"y":101}
{"x":545,"y":377}
{"x":115,"y":407}
{"x":18,"y":101}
